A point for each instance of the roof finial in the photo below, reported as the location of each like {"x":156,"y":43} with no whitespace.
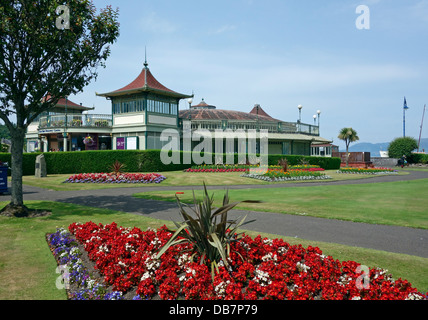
{"x":145,"y":58}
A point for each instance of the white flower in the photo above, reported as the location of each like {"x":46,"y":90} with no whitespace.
{"x":220,"y":289}
{"x":282,"y":250}
{"x":414,"y":296}
{"x":145,"y":276}
{"x":90,"y":284}
{"x":302,"y":267}
{"x":262,"y":278}
{"x":267,"y":241}
{"x":75,"y":251}
{"x":183,"y":259}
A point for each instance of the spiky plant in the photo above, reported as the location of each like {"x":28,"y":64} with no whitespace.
{"x":209,"y":231}
{"x":284,"y":164}
{"x":117,"y":167}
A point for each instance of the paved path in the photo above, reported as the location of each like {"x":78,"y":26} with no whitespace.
{"x":381,"y":237}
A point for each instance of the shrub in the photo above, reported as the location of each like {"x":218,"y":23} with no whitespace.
{"x":209,"y":231}
{"x":402,"y":146}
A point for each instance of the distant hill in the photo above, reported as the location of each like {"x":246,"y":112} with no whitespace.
{"x":374,"y":148}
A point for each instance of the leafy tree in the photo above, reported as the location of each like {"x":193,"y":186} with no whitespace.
{"x":348,"y":135}
{"x":402,"y":146}
{"x":49,"y":49}
{"x":4,"y":132}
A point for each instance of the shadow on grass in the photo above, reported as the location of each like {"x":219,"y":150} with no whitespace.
{"x":124,"y":204}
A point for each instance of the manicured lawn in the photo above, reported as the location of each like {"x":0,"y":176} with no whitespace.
{"x":27,"y":267}
{"x":173,"y":178}
{"x":402,"y":203}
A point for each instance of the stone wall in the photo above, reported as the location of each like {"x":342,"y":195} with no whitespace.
{"x":384,"y":162}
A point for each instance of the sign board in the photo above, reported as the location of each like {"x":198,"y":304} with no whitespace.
{"x":120,"y":143}
{"x":131,"y":143}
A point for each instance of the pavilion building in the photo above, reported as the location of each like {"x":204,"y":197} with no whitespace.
{"x":144,"y":108}
{"x":141,"y":111}
{"x":284,"y":137}
{"x":69,"y":127}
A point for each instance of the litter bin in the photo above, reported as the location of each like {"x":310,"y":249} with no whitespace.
{"x":3,"y":177}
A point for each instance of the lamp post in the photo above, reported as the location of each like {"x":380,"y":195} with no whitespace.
{"x":190,"y":100}
{"x":315,"y":119}
{"x":319,"y":115}
{"x":405,"y":107}
{"x":65,"y":127}
{"x":300,"y":117}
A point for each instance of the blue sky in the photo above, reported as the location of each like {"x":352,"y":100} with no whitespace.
{"x":280,"y":54}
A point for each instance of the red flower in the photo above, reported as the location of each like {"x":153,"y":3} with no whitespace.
{"x":261,"y":268}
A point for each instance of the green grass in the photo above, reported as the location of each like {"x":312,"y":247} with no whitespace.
{"x":174,"y":178}
{"x":401,"y":203}
{"x":27,"y":267}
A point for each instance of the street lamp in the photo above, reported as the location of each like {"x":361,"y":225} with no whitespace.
{"x":405,"y":107}
{"x":65,"y":141}
{"x":319,"y":114}
{"x":315,"y":119}
{"x":300,"y":112}
{"x":190,"y":100}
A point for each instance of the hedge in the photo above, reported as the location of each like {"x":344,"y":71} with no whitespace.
{"x":137,"y":161}
{"x":418,"y":158}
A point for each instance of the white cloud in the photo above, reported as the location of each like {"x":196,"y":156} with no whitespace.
{"x":153,"y":23}
{"x":225,"y":28}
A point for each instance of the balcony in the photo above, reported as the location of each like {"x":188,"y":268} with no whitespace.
{"x":271,"y":127}
{"x":76,"y":121}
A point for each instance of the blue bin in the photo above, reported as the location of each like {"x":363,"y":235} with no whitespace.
{"x":3,"y":179}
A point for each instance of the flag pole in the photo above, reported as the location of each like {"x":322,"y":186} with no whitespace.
{"x":422,"y":123}
{"x":405,"y":107}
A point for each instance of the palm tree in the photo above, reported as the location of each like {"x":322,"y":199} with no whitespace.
{"x":348,"y":135}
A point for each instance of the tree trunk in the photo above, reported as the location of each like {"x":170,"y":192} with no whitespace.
{"x":347,"y":155}
{"x":16,"y":206}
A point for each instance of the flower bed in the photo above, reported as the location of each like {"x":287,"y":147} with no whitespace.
{"x":219,"y":168}
{"x":246,"y":168}
{"x":259,"y":268}
{"x":366,"y":170}
{"x":116,"y":178}
{"x":77,"y":280}
{"x":276,"y":175}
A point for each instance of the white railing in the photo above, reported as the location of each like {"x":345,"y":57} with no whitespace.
{"x":76,"y":121}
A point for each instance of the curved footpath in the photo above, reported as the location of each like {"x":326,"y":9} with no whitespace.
{"x":396,"y":239}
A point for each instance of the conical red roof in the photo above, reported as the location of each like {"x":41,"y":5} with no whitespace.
{"x":62,"y":102}
{"x":259,"y":111}
{"x":144,"y":82}
{"x":145,"y":79}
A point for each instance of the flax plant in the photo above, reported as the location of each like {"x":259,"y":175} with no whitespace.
{"x":209,"y":230}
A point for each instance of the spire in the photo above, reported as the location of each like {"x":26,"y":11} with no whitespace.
{"x":145,"y":66}
{"x":145,"y":58}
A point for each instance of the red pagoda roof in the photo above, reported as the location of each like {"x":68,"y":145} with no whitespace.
{"x":62,"y":102}
{"x":204,"y":105}
{"x":259,"y":111}
{"x":144,"y":82}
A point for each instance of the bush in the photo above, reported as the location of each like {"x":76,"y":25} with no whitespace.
{"x":418,"y":158}
{"x":402,"y":146}
{"x":137,"y":161}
